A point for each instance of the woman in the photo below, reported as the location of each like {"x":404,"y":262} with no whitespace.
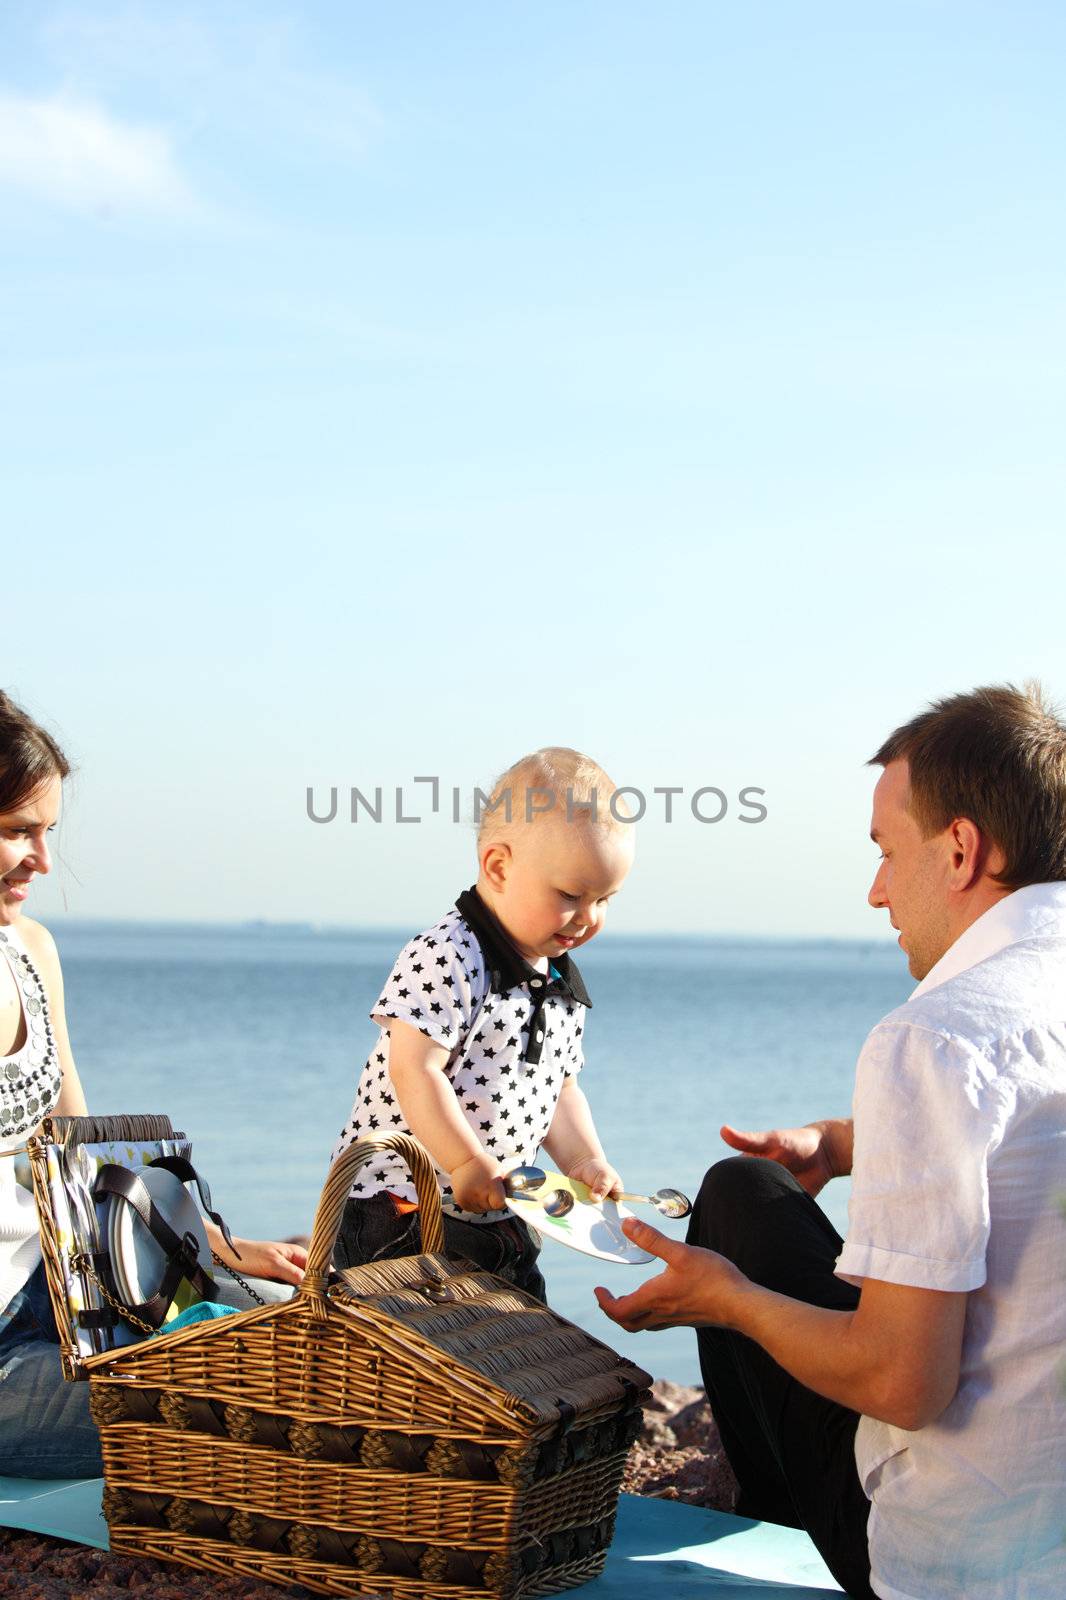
{"x":45,"y":1429}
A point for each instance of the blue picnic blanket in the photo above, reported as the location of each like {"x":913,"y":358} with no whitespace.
{"x":695,"y":1553}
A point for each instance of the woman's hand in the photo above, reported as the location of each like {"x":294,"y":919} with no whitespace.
{"x":811,"y":1153}
{"x":598,"y":1176}
{"x":263,"y":1258}
{"x":477,"y":1185}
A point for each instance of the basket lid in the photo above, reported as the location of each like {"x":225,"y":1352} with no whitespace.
{"x":464,"y":1319}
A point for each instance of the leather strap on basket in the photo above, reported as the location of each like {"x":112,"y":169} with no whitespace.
{"x":181,"y":1251}
{"x":331,"y":1207}
{"x":187,"y":1173}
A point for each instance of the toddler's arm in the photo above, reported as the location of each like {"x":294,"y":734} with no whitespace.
{"x":434,"y":1115}
{"x":574,"y":1145}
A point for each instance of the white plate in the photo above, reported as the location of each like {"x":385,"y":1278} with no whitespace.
{"x":137,"y":1261}
{"x":593,"y":1227}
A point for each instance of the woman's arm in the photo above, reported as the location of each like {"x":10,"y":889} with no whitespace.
{"x":259,"y":1258}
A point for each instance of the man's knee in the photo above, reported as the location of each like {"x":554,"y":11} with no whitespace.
{"x":729,"y":1208}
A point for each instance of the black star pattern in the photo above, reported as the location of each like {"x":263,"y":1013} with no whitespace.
{"x":509,"y":1100}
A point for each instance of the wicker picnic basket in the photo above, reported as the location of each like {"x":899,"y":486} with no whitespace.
{"x":413,"y":1426}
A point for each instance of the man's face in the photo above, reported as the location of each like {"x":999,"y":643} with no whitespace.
{"x":912,"y":879}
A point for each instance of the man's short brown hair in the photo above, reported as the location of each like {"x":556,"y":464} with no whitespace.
{"x":998,"y":757}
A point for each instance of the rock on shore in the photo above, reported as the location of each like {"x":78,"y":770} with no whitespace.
{"x":677,"y":1457}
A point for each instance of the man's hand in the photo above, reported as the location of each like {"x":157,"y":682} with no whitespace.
{"x":696,"y":1289}
{"x":477,"y":1185}
{"x":813,"y":1154}
{"x":598,"y":1176}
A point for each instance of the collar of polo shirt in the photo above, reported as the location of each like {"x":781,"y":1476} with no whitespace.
{"x":506,"y":964}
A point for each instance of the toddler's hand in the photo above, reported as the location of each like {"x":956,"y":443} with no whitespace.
{"x":599,"y":1177}
{"x":477,"y":1185}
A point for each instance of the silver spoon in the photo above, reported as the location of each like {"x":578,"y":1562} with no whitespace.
{"x":669,"y":1202}
{"x":524,"y":1180}
{"x":527,"y":1180}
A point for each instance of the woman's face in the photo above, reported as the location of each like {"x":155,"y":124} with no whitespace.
{"x":24,"y":846}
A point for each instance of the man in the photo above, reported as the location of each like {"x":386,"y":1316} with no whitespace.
{"x":914,"y":1373}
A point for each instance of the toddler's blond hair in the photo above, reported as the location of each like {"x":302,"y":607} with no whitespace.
{"x":557,"y":782}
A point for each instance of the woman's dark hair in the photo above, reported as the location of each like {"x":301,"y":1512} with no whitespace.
{"x":29,"y":756}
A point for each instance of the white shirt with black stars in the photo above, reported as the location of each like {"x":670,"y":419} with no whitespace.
{"x":462,"y":996}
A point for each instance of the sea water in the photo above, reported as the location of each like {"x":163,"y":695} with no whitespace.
{"x":251,"y":1039}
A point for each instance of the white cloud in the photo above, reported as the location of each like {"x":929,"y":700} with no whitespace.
{"x":78,"y":156}
{"x":255,"y":71}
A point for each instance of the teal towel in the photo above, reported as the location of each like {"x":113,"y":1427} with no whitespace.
{"x":205,"y":1311}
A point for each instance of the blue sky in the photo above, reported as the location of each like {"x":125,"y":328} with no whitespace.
{"x":390,"y":390}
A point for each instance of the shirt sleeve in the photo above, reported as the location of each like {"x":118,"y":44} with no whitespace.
{"x":430,"y":988}
{"x":927,"y":1117}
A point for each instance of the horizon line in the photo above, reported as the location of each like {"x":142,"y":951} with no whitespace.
{"x":333,"y":929}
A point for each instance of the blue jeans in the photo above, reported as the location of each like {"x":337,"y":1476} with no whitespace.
{"x":373,"y":1230}
{"x":45,"y":1427}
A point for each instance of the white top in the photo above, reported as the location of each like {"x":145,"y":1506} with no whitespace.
{"x":514,"y":1035}
{"x":30,"y":1081}
{"x":958,"y":1183}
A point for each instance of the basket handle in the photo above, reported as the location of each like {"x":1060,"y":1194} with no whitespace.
{"x":335,"y":1193}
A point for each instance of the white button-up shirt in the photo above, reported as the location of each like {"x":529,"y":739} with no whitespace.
{"x":959,"y":1183}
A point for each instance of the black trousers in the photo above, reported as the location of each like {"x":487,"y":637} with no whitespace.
{"x":792,"y":1451}
{"x":373,"y":1230}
